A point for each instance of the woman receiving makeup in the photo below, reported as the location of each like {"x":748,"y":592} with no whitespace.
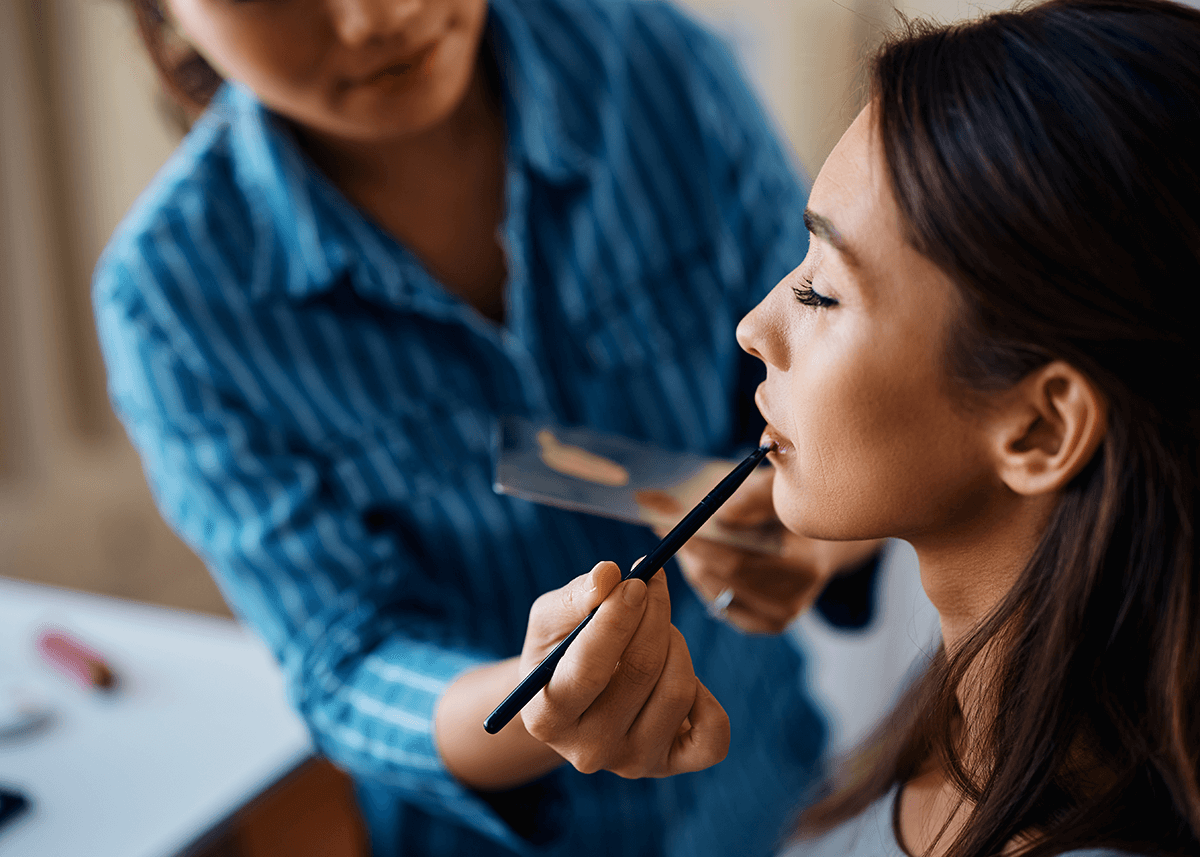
{"x":988,"y":352}
{"x":395,"y":221}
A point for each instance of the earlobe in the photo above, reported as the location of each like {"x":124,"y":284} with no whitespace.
{"x":1049,"y":429}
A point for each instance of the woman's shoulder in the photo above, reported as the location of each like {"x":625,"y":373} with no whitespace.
{"x":200,"y":179}
{"x":872,"y":834}
{"x":198,"y":203}
{"x":665,"y":73}
{"x":868,"y":834}
{"x":615,"y":12}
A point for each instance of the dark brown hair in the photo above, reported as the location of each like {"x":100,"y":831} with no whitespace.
{"x":186,"y":77}
{"x":1046,"y":160}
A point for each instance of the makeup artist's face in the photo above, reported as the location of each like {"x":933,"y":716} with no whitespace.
{"x":871,"y":442}
{"x":366,"y":70}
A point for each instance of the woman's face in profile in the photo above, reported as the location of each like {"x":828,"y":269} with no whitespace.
{"x":872,"y":443}
{"x":365,"y":70}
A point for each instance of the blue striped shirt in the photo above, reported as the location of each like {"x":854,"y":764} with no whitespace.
{"x":314,"y":413}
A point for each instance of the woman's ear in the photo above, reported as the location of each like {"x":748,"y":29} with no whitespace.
{"x":1048,"y":427}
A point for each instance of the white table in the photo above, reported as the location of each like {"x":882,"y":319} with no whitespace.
{"x":197,"y":729}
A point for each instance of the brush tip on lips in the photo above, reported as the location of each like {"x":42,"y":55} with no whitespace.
{"x":774,"y":445}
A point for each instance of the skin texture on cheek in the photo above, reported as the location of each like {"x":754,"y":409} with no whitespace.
{"x":899,"y":455}
{"x":859,"y":468}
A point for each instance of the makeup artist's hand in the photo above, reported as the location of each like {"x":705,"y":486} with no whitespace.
{"x":624,"y":698}
{"x":768,"y":590}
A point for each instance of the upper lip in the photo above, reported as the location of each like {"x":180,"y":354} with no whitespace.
{"x":759,"y":401}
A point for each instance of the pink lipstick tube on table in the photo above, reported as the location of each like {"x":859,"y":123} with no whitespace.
{"x":76,"y":660}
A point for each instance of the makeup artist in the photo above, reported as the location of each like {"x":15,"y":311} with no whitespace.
{"x":394,"y":221}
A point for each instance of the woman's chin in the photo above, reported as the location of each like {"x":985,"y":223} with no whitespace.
{"x":790,"y":508}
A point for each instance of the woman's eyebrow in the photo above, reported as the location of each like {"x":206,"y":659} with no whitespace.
{"x":823,"y":228}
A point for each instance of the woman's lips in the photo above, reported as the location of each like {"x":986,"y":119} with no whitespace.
{"x":780,"y":444}
{"x":421,"y":61}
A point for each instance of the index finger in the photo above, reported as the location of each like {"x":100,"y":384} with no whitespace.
{"x":556,"y":612}
{"x":587,"y":667}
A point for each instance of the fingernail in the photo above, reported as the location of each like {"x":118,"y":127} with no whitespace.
{"x":635,"y":592}
{"x":591,"y":576}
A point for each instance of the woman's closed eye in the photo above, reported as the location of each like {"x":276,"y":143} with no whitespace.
{"x":809,"y":297}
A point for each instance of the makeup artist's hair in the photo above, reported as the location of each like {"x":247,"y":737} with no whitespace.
{"x":1048,"y":160}
{"x":186,"y":77}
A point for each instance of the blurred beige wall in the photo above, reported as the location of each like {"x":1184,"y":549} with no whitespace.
{"x":807,"y":56}
{"x":80,"y":136}
{"x":81,"y":133}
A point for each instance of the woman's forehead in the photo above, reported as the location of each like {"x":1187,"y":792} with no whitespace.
{"x":851,"y":205}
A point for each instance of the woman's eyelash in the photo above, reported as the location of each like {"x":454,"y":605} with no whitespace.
{"x":809,"y":297}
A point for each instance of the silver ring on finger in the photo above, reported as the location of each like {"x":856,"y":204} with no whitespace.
{"x":718,"y":608}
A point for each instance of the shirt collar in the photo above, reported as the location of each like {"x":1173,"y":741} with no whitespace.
{"x":534,"y":98}
{"x":322,"y":236}
{"x":281,"y":190}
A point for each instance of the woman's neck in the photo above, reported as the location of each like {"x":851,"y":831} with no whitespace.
{"x":967,"y":570}
{"x":966,"y":574}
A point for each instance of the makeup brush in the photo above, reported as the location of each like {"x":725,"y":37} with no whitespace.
{"x":540,"y":675}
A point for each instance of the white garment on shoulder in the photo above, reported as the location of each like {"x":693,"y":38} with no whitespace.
{"x":868,"y":835}
{"x":871,"y":835}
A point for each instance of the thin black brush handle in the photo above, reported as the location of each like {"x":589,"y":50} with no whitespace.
{"x":540,"y":675}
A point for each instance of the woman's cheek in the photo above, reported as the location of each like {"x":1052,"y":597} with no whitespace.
{"x":798,"y":491}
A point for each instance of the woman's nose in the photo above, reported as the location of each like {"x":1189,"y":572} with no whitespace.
{"x":755,"y":333}
{"x":358,"y":22}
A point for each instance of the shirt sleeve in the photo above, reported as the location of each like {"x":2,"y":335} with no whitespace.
{"x":368,"y":642}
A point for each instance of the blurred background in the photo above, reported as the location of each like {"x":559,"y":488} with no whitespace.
{"x":83,"y":128}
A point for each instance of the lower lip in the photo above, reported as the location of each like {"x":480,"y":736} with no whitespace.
{"x":418,"y":66}
{"x":777,"y":444}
